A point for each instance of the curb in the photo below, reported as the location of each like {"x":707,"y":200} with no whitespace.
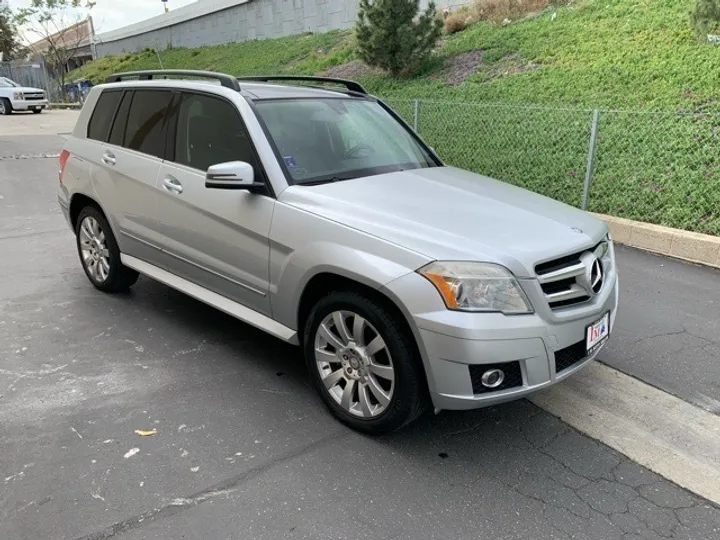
{"x":685,"y":245}
{"x":74,"y":106}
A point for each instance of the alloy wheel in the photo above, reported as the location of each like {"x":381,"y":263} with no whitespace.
{"x":354,"y":364}
{"x":94,"y":250}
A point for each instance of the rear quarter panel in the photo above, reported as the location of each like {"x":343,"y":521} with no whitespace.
{"x":77,"y":177}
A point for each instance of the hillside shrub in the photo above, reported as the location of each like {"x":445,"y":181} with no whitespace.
{"x":456,"y":22}
{"x":705,"y":18}
{"x":500,"y":10}
{"x":394,"y":36}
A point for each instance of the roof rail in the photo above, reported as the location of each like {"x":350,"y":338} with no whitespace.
{"x":228,"y":81}
{"x":350,"y":85}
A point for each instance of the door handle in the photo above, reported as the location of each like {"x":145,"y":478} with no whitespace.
{"x":108,"y":158}
{"x":173,"y":185}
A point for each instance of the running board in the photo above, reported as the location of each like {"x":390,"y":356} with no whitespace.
{"x":245,"y":314}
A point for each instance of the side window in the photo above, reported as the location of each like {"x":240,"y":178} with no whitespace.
{"x":210,"y":131}
{"x":103,"y":115}
{"x":146,"y":122}
{"x":117,"y":133}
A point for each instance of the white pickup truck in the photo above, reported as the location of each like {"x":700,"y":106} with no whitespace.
{"x":14,"y":97}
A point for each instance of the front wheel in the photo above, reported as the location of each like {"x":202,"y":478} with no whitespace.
{"x":100,"y":254}
{"x":363,"y":363}
{"x":5,"y":107}
{"x":37,"y":111}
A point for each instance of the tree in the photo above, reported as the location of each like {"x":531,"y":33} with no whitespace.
{"x":393,"y":36}
{"x":8,"y":35}
{"x":705,"y":17}
{"x":55,"y":28}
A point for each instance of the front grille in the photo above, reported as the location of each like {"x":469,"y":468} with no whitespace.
{"x":33,"y":97}
{"x":563,"y":280}
{"x":569,"y":356}
{"x":513,"y":376}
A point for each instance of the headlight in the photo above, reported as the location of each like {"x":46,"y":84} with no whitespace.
{"x":602,"y":250}
{"x":17,"y":96}
{"x":605,"y":249}
{"x":470,"y":286}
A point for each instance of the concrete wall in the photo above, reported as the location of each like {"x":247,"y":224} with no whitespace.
{"x":212,"y":22}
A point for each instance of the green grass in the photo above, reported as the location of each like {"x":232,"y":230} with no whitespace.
{"x":306,"y":53}
{"x":640,"y":55}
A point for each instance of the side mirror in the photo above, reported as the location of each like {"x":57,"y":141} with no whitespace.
{"x":232,"y":175}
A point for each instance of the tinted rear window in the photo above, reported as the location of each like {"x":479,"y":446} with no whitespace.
{"x":146,"y":125}
{"x":103,"y":115}
{"x":118,"y":130}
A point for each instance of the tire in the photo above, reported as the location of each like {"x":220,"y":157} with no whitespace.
{"x":37,"y":111}
{"x":378,"y":402}
{"x":5,"y":106}
{"x":99,"y":253}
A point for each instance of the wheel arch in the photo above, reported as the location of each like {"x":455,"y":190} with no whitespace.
{"x":325,"y":282}
{"x":78,"y":201}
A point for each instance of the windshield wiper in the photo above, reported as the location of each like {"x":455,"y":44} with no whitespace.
{"x":326,"y":180}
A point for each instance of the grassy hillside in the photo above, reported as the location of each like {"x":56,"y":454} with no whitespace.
{"x":607,"y":53}
{"x":515,"y":102}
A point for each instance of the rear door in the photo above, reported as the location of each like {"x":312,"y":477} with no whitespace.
{"x":215,"y":238}
{"x":128,"y":169}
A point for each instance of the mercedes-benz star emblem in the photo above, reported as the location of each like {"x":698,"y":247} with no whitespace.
{"x":592,"y":278}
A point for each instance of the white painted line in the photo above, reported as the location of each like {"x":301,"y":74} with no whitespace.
{"x":673,"y":438}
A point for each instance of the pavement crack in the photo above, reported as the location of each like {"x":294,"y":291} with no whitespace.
{"x":463,"y":431}
{"x":32,"y":233}
{"x":14,"y":157}
{"x":674,"y":333}
{"x":541,"y":450}
{"x":222,"y":489}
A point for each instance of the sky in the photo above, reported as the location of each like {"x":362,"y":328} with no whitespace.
{"x":111,"y":14}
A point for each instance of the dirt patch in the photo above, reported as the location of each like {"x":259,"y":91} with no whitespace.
{"x":352,"y":69}
{"x":511,"y":64}
{"x":462,"y":66}
{"x":459,"y":68}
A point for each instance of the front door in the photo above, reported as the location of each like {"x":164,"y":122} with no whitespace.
{"x":215,"y":238}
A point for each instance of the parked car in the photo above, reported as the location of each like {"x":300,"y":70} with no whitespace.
{"x":14,"y":97}
{"x":318,"y":215}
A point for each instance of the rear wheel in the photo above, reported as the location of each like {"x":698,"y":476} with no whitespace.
{"x":99,"y":252}
{"x":362,"y":362}
{"x":5,"y":106}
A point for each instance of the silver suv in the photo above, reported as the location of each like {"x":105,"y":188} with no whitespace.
{"x":317,"y":215}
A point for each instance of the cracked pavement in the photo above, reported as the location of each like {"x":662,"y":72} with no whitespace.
{"x":668,"y":326}
{"x":244,"y":449}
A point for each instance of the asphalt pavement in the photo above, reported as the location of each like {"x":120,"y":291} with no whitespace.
{"x":668,"y":326}
{"x":244,"y":449}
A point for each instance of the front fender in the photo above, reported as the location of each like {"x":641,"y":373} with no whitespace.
{"x":370,"y":269}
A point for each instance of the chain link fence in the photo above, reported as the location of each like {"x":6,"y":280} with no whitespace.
{"x":657,"y":167}
{"x":33,"y":74}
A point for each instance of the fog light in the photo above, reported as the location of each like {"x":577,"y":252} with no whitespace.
{"x":492,"y":378}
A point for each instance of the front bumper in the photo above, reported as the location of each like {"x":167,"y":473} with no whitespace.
{"x":542,"y":348}
{"x":29,"y":104}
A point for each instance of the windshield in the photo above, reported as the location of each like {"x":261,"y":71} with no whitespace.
{"x":7,"y":83}
{"x":325,"y":140}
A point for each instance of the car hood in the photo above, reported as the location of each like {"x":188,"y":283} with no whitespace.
{"x":27,"y":89}
{"x":447,"y":213}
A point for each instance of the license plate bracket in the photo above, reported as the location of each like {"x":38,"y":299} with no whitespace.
{"x":597,"y":333}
